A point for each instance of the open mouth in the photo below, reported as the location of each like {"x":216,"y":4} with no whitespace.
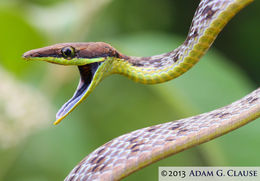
{"x":87,"y":73}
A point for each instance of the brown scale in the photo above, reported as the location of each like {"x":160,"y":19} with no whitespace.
{"x":224,"y":115}
{"x":101,"y":151}
{"x":208,"y":12}
{"x":254,"y":100}
{"x":132,"y":140}
{"x":176,"y":126}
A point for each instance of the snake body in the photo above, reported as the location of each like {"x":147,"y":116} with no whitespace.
{"x":209,"y":19}
{"x":130,"y":152}
{"x":97,"y":60}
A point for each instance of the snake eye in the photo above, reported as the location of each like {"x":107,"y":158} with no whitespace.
{"x":68,"y":52}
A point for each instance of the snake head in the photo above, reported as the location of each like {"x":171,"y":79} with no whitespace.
{"x":92,"y":60}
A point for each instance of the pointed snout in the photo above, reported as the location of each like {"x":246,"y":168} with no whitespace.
{"x":42,"y":52}
{"x":30,"y":54}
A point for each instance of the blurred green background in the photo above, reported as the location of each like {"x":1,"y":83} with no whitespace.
{"x":31,"y":148}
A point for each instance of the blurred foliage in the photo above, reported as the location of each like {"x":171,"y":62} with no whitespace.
{"x":17,"y":37}
{"x":229,"y":71}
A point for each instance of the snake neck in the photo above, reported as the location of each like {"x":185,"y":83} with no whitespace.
{"x":209,"y":19}
{"x":154,"y":69}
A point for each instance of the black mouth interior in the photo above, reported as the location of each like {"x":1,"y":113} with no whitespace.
{"x":87,"y":73}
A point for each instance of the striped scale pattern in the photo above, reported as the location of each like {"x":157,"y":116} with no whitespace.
{"x":130,"y":152}
{"x":210,"y":18}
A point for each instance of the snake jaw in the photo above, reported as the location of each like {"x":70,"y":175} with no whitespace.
{"x":88,"y":73}
{"x":89,"y":57}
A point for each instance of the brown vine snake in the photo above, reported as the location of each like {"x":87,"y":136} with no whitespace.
{"x":133,"y":151}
